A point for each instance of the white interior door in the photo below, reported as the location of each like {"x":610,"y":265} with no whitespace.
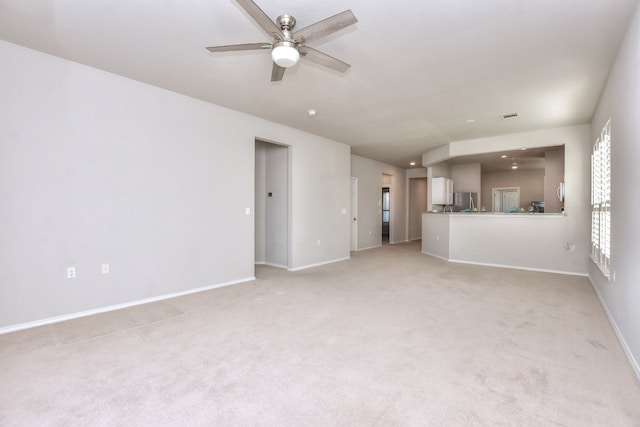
{"x":505,"y":199}
{"x":510,"y":199}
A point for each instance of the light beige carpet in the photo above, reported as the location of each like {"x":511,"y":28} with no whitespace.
{"x":390,"y":338}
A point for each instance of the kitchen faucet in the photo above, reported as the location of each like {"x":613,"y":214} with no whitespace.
{"x":450,"y":208}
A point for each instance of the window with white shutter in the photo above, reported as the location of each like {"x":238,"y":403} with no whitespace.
{"x":601,"y":200}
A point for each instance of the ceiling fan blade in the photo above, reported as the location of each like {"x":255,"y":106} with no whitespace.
{"x":325,"y":27}
{"x":323,"y":59}
{"x":234,"y":47}
{"x":261,"y":18}
{"x":277,"y":73}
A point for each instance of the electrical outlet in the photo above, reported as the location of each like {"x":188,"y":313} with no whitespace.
{"x":105,"y":268}
{"x":71,"y":273}
{"x":319,"y":242}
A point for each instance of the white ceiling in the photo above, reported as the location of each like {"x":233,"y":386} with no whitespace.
{"x":420,"y":69}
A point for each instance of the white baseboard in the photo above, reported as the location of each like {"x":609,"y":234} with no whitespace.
{"x":304,"y":267}
{"x":34,"y":324}
{"x":413,"y":239}
{"x":518,"y":267}
{"x":436,"y":256}
{"x":368,"y":247}
{"x":515,"y":267}
{"x":271,"y":264}
{"x":623,"y":343}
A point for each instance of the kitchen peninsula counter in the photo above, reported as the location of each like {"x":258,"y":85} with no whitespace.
{"x":532,"y":241}
{"x":500,"y":214}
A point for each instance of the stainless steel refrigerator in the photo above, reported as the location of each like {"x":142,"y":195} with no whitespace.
{"x":464,"y":201}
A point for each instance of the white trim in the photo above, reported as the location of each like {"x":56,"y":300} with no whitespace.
{"x":436,"y":256}
{"x":600,"y":266}
{"x":91,"y":312}
{"x":353,"y":218}
{"x":414,"y":239}
{"x":259,"y":263}
{"x":515,"y":267}
{"x":271,"y":264}
{"x":368,"y":247}
{"x":304,"y":267}
{"x":623,"y":343}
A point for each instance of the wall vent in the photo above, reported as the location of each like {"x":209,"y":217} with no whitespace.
{"x":510,"y":116}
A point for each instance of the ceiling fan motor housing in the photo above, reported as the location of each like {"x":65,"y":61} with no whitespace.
{"x":286,"y":22}
{"x":285,"y":52}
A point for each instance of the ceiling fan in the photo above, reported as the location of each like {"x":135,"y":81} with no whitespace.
{"x":287,"y":46}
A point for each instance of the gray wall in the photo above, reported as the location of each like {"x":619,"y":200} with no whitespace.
{"x":621,"y":101}
{"x":97,"y":168}
{"x":467,"y":178}
{"x":531,"y":183}
{"x":553,"y":176}
{"x":417,"y":205}
{"x":369,"y":174}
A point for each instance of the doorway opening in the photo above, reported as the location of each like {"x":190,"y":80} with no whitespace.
{"x":506,"y":199}
{"x":386,"y":214}
{"x":272,"y":205}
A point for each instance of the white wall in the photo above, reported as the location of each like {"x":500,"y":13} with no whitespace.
{"x":520,"y":241}
{"x":320,"y":197}
{"x":97,"y":168}
{"x":369,"y":174}
{"x":621,"y":101}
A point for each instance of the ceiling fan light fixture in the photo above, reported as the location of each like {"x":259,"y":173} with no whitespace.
{"x":285,"y":54}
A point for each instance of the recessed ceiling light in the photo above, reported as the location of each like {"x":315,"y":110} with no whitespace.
{"x":470,"y":121}
{"x":514,"y":167}
{"x":412,"y":163}
{"x":312,"y":113}
{"x":504,"y":156}
{"x":523,"y":148}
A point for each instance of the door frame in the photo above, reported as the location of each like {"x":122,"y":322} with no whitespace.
{"x":354,"y":214}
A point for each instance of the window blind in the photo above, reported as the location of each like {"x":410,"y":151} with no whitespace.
{"x":601,"y":200}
